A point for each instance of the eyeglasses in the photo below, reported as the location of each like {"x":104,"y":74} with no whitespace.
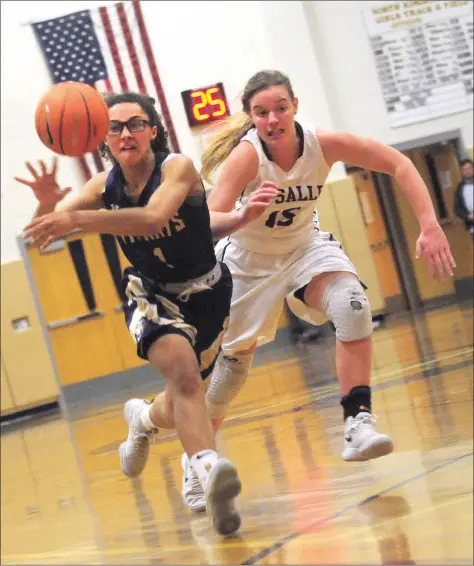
{"x":133,"y":125}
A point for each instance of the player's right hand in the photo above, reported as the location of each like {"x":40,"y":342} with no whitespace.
{"x":259,"y":200}
{"x":44,"y":185}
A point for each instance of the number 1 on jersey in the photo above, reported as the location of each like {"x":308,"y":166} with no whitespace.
{"x":158,"y":252}
{"x":282,"y":217}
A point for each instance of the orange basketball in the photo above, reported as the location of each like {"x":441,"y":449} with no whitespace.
{"x":72,"y":119}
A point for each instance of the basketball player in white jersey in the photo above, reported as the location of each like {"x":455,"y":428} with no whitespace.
{"x":283,"y":254}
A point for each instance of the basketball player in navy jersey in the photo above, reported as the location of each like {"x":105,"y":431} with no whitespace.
{"x":177,"y":294}
{"x":284,"y":255}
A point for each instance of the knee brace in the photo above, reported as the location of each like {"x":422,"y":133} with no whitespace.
{"x":228,"y":378}
{"x":346,"y":305}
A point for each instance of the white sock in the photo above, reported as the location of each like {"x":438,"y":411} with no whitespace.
{"x":202,"y":463}
{"x":145,"y":418}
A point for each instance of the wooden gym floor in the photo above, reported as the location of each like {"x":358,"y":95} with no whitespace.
{"x":64,"y":499}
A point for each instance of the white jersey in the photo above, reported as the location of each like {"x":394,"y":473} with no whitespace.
{"x":291,"y":218}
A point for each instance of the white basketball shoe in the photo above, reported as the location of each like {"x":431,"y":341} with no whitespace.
{"x":134,"y":451}
{"x":361,"y":440}
{"x":192,"y":492}
{"x":222,"y":488}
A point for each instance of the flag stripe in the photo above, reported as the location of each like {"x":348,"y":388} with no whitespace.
{"x":85,"y":167}
{"x":95,"y":159}
{"x":155,"y":76}
{"x":112,"y":78}
{"x":136,"y":37}
{"x":131,"y":48}
{"x":108,"y":48}
{"x":113,"y":48}
{"x":98,"y":160}
{"x":122,"y":48}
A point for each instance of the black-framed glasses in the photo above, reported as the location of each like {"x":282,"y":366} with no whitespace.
{"x":133,"y":125}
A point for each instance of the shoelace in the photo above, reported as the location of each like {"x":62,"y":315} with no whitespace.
{"x":140,"y":447}
{"x":368,"y":419}
{"x":192,"y":488}
{"x":195,"y":485}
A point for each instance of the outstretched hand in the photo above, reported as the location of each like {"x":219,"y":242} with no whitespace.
{"x":47,"y":228}
{"x":259,"y":200}
{"x":433,"y":245}
{"x":44,"y":184}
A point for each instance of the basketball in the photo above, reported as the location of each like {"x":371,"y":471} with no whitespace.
{"x":72,"y":119}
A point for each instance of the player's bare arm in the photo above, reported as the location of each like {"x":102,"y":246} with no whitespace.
{"x":376,"y":156}
{"x":179,"y":176}
{"x":52,"y":198}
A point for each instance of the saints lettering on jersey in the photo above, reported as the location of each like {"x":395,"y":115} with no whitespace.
{"x":172,"y":227}
{"x":180,"y":248}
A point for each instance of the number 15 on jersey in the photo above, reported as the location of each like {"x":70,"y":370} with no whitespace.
{"x":282,"y":217}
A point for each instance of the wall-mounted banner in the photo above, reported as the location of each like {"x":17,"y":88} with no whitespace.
{"x":424,"y":57}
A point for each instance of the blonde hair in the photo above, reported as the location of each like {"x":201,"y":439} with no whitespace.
{"x":223,"y":144}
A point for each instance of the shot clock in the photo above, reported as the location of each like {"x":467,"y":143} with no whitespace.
{"x":205,"y":105}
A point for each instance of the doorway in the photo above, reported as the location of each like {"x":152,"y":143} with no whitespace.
{"x":393,"y":229}
{"x":388,"y":271}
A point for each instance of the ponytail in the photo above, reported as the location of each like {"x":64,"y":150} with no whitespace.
{"x":223,"y":144}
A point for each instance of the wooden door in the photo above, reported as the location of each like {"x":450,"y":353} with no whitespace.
{"x":77,"y":299}
{"x":6,"y":395}
{"x":379,"y":242}
{"x":430,"y":289}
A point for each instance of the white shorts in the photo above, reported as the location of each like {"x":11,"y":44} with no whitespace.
{"x":261,"y":283}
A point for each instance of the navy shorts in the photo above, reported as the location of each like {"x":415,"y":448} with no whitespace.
{"x":151,"y":313}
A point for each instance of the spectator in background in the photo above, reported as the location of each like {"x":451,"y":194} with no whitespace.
{"x":464,"y":196}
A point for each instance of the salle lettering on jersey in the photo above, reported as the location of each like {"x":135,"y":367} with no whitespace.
{"x":172,"y":227}
{"x":298,"y":193}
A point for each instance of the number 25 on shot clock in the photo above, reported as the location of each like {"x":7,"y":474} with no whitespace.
{"x":205,"y":105}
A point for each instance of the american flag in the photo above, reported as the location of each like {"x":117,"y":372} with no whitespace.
{"x":109,"y":49}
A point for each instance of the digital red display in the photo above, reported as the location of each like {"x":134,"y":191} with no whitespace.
{"x":205,"y":105}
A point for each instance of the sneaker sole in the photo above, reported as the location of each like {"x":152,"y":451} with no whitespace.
{"x":379,"y":448}
{"x":226,"y":486}
{"x":123,"y":460}
{"x":197,"y":508}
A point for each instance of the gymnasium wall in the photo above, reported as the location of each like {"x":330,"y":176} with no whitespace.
{"x":346,"y":61}
{"x":324,"y":48}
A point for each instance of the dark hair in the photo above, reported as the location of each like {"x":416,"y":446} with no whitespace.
{"x":263,"y":80}
{"x":147,"y":104}
{"x":465,"y":162}
{"x":223,"y":144}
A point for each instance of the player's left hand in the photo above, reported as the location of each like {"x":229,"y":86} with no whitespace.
{"x":259,"y":201}
{"x":45,"y":229}
{"x":433,"y":245}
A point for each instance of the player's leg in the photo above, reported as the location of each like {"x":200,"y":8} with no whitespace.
{"x":174,"y":357}
{"x":169,"y":348}
{"x":341,"y":296}
{"x":229,"y":376}
{"x":181,"y":405}
{"x":184,"y":401}
{"x":256,"y":307}
{"x":257,"y":304}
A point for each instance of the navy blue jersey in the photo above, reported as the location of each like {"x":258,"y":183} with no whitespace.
{"x":182,"y":250}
